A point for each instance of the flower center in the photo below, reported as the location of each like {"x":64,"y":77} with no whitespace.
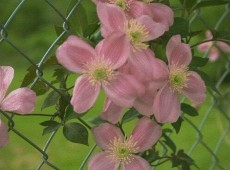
{"x":120,"y":3}
{"x":120,"y":150}
{"x":178,"y":77}
{"x":99,"y":71}
{"x":136,"y":33}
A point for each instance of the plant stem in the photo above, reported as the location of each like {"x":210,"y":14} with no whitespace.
{"x":87,"y":157}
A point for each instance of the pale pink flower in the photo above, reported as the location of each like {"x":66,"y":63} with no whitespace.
{"x":166,"y":105}
{"x":99,"y":69}
{"x":136,"y":30}
{"x":214,"y":48}
{"x":150,"y":72}
{"x":21,"y":100}
{"x":160,"y":13}
{"x":119,"y":151}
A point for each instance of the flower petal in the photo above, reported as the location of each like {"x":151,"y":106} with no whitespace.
{"x":195,"y":89}
{"x":101,"y":161}
{"x":137,"y":9}
{"x":154,"y":29}
{"x":111,"y":112}
{"x":213,"y":54}
{"x":74,"y":53}
{"x":136,"y":163}
{"x":146,"y":134}
{"x":4,"y":136}
{"x":204,"y":47}
{"x":6,"y":76}
{"x":105,"y":133}
{"x":115,"y":48}
{"x":223,"y":46}
{"x":178,"y":53}
{"x":21,"y":101}
{"x":166,"y":105}
{"x":162,"y":14}
{"x":123,"y":90}
{"x":112,"y":17}
{"x":84,"y":95}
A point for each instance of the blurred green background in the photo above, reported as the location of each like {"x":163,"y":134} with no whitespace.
{"x":32,"y":31}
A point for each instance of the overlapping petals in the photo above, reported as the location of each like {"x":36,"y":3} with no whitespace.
{"x":20,"y":101}
{"x":110,"y":139}
{"x":99,"y":69}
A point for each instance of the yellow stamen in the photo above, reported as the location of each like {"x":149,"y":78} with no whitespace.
{"x":136,"y":33}
{"x":99,"y":71}
{"x":121,"y":3}
{"x":178,"y":77}
{"x":122,"y":151}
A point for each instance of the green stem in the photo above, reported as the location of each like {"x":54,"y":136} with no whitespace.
{"x":87,"y":157}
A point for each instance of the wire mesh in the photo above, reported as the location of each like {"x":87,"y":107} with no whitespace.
{"x":199,"y":128}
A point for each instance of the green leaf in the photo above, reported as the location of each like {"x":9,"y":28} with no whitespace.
{"x":51,"y":99}
{"x":70,"y":114}
{"x":177,"y":124}
{"x":208,"y":3}
{"x":130,"y":115}
{"x":198,"y":62}
{"x":191,"y":111}
{"x":51,"y":126}
{"x":76,"y":132}
{"x":182,"y":159}
{"x":188,"y":4}
{"x":180,"y":26}
{"x":96,"y":120}
{"x":40,"y":88}
{"x":169,"y":142}
{"x":208,"y":82}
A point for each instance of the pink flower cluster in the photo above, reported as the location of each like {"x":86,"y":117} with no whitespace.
{"x":130,"y":74}
{"x":214,"y":48}
{"x":21,"y":100}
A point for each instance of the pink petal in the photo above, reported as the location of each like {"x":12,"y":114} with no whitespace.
{"x":162,"y":14}
{"x":112,"y":17}
{"x":6,"y":76}
{"x":205,"y":46}
{"x":146,"y":134}
{"x":195,"y":89}
{"x":223,"y":46}
{"x":136,"y":163}
{"x":123,"y":90}
{"x":209,"y":35}
{"x":105,"y":133}
{"x":178,"y":53}
{"x":166,"y":105}
{"x":115,"y":48}
{"x":155,"y":29}
{"x":74,"y":53}
{"x":101,"y":161}
{"x":144,"y":103}
{"x":21,"y":101}
{"x":137,"y":9}
{"x":84,"y":95}
{"x":112,"y":112}
{"x":213,"y":54}
{"x":160,"y":71}
{"x":4,"y":136}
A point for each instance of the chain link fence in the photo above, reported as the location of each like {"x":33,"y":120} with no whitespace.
{"x":205,"y":138}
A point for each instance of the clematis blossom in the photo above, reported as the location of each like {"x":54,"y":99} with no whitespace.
{"x":21,"y":100}
{"x":119,"y":151}
{"x":136,"y":30}
{"x":214,"y":48}
{"x":99,"y":68}
{"x":160,"y":13}
{"x":180,"y":80}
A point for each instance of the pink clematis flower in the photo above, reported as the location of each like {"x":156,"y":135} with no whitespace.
{"x":99,"y":69}
{"x":166,"y":105}
{"x":120,"y":151}
{"x":136,"y":30}
{"x":21,"y":100}
{"x":148,"y":70}
{"x":160,"y":13}
{"x":213,"y":47}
